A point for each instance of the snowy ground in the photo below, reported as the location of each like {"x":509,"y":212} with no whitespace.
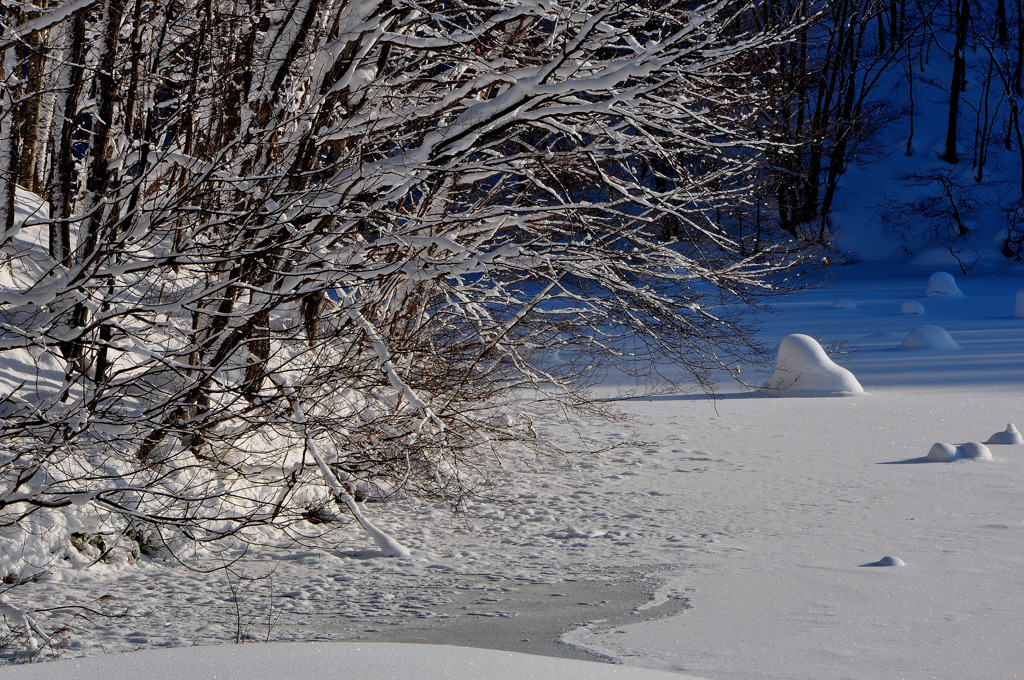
{"x":725,"y":539}
{"x":374,"y":661}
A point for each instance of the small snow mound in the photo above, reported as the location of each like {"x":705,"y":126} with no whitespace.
{"x":1009,"y":436}
{"x":933,"y":338}
{"x":887,"y":561}
{"x":942,"y":452}
{"x":804,"y":370}
{"x":974,"y":451}
{"x":945,"y":453}
{"x":844,"y":304}
{"x":942,"y":283}
{"x":1019,"y":309}
{"x":910,"y":308}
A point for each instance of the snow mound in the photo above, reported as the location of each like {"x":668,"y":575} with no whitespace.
{"x":942,"y":283}
{"x":942,"y":452}
{"x":910,"y":307}
{"x":1019,"y":309}
{"x":802,"y":369}
{"x":844,"y":304}
{"x":932,"y":338}
{"x":1011,"y":435}
{"x":974,"y":451}
{"x":945,"y":453}
{"x":887,"y":561}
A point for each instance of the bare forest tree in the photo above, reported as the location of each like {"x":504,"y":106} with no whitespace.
{"x":275,"y":250}
{"x":825,"y":104}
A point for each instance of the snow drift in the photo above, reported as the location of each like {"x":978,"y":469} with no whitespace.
{"x":803,"y":369}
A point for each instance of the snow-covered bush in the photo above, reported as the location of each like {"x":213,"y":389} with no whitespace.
{"x":296,"y":248}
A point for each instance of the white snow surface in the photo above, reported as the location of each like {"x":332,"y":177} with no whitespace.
{"x":367,"y":661}
{"x":803,"y":369}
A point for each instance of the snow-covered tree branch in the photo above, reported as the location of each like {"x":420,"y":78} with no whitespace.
{"x":387,"y":217}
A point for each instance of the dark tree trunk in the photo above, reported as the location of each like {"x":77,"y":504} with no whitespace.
{"x":959,"y":74}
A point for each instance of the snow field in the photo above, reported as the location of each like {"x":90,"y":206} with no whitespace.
{"x":804,"y":492}
{"x":303,"y":660}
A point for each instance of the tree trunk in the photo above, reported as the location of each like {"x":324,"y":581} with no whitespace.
{"x":955,"y":87}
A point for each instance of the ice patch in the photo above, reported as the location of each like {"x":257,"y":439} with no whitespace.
{"x":930,"y":338}
{"x":1010,"y":436}
{"x":804,"y":370}
{"x":942,"y":283}
{"x":910,"y":307}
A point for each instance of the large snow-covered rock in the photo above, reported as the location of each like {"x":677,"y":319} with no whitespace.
{"x":942,"y":283}
{"x":1010,"y":436}
{"x":804,"y":370}
{"x":931,"y":338}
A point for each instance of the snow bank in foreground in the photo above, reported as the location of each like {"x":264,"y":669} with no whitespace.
{"x":945,"y":453}
{"x":930,"y":338}
{"x":804,"y":370}
{"x":374,"y":661}
{"x":1010,"y":436}
{"x":942,"y":283}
